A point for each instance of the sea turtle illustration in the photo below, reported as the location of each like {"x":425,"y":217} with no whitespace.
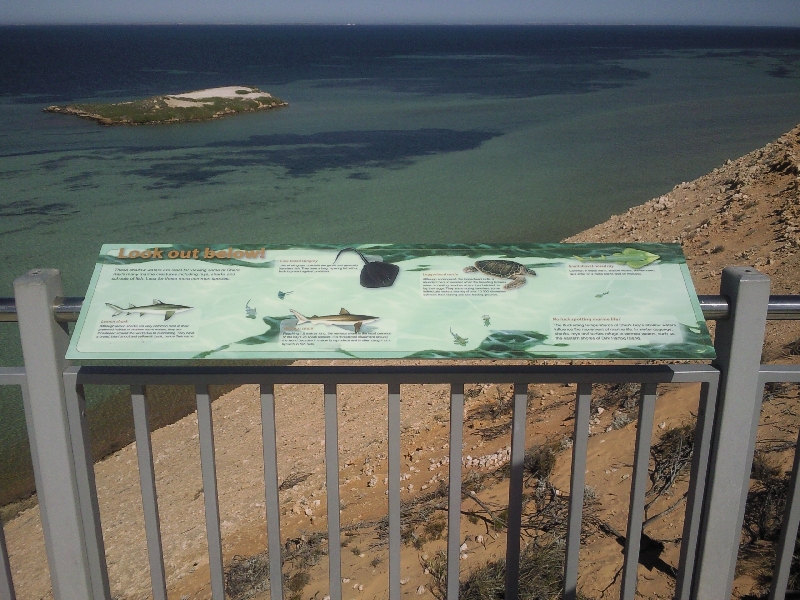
{"x":504,"y":269}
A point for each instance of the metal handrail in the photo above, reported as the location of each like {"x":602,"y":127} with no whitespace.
{"x":715,"y":308}
{"x":65,"y":309}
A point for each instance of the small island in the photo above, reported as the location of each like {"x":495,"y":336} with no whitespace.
{"x":201,"y":105}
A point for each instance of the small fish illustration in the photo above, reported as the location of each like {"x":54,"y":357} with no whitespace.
{"x":156,"y":308}
{"x":342,"y":319}
{"x":486,"y":320}
{"x":601,"y":295}
{"x":635,"y":259}
{"x":249,"y":312}
{"x":457,"y":339}
{"x":282,"y":295}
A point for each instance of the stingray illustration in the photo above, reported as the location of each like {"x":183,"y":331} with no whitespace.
{"x":374,"y":274}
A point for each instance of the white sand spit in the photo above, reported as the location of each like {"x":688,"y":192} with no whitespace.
{"x":224,"y":92}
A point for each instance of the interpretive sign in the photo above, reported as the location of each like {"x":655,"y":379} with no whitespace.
{"x":574,"y":301}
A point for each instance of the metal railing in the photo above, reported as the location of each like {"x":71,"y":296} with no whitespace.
{"x":520,"y":376}
{"x":729,"y":400}
{"x":9,"y":376}
{"x":67,"y":309}
{"x":791,"y":518}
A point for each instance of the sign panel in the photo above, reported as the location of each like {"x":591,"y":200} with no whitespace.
{"x":573,"y":301}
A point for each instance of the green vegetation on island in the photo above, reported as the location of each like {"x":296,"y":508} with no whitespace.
{"x":201,"y":105}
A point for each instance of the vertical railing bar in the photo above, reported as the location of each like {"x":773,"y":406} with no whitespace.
{"x":147,"y":482}
{"x":454,"y":502}
{"x":272,"y":500}
{"x":580,"y":445}
{"x":738,"y":344}
{"x":694,"y":495}
{"x":205,"y":427}
{"x":394,"y":491}
{"x":515,"y":489}
{"x":75,"y":399}
{"x":6,"y":582}
{"x":641,"y":462}
{"x":332,"y":484}
{"x":60,"y":486}
{"x":791,"y":521}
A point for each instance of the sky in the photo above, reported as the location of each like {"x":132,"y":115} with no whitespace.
{"x":600,"y":12}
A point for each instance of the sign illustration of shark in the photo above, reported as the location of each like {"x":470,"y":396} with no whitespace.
{"x":344,"y":318}
{"x":156,"y":308}
{"x":635,"y":259}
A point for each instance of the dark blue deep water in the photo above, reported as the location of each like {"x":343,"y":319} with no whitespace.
{"x":61,"y":64}
{"x":392,"y":134}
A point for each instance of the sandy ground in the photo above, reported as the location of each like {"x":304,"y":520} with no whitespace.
{"x":180,"y":100}
{"x":224,"y":92}
{"x":747,"y":212}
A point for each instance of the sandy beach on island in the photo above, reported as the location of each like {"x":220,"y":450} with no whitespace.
{"x":235,"y":92}
{"x":746,"y":212}
{"x":190,"y":99}
{"x":231,"y":91}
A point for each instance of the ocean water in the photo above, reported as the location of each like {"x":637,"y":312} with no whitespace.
{"x":392,"y":134}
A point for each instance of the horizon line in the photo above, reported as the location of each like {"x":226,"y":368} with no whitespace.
{"x":387,"y":24}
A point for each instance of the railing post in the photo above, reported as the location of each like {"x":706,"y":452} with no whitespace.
{"x":55,"y":446}
{"x":6,"y":581}
{"x":738,"y":342}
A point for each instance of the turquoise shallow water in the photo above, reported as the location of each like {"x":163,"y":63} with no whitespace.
{"x":479,"y":139}
{"x":354,"y":164}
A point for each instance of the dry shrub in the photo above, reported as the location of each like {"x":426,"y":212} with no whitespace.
{"x":296,"y":583}
{"x":419,"y":510}
{"x":672,"y":455}
{"x":763,"y":517}
{"x":247,"y":576}
{"x":493,"y":432}
{"x":307,"y":550}
{"x":550,"y":514}
{"x":619,"y":395}
{"x":292,"y":480}
{"x":540,"y":460}
{"x":793,"y":348}
{"x":620,"y":420}
{"x":766,"y":501}
{"x":541,"y":575}
{"x":434,"y":528}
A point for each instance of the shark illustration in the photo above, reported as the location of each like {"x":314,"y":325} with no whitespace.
{"x":156,"y":308}
{"x":344,"y":318}
{"x":635,"y":259}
